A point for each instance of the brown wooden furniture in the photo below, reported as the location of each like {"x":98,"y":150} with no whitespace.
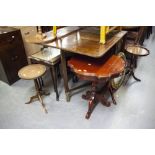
{"x":34,"y":72}
{"x":79,"y":40}
{"x":99,"y":72}
{"x":51,"y":58}
{"x":137,"y":34}
{"x":12,"y":54}
{"x":51,"y":37}
{"x":135,"y":51}
{"x":84,"y":42}
{"x":136,"y":37}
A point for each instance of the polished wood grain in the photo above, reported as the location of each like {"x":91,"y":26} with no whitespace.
{"x":97,"y":67}
{"x":86,"y":42}
{"x":51,"y":37}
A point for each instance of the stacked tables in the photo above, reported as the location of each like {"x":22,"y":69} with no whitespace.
{"x":83,"y":41}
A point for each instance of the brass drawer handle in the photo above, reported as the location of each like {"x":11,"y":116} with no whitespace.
{"x":14,"y":58}
{"x":11,"y":39}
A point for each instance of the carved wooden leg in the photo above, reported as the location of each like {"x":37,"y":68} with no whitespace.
{"x":32,"y":99}
{"x":39,"y":95}
{"x":91,"y":104}
{"x":41,"y":101}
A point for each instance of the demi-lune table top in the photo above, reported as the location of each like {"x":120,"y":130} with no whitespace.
{"x":97,"y":67}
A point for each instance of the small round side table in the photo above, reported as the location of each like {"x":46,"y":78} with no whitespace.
{"x":34,"y":72}
{"x":135,"y":51}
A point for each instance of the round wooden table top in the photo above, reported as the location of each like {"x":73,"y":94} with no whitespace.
{"x":32,"y":71}
{"x":137,"y":50}
{"x":97,"y":67}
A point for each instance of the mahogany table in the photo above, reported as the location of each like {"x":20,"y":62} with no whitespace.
{"x":100,"y":73}
{"x":84,"y":42}
{"x":79,"y":40}
{"x":135,"y":51}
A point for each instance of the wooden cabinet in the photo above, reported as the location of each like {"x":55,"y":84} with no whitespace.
{"x":12,"y":54}
{"x":28,"y":31}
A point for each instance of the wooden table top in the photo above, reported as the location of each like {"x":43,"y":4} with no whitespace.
{"x":87,"y":42}
{"x":50,"y":37}
{"x":97,"y":68}
{"x":32,"y":71}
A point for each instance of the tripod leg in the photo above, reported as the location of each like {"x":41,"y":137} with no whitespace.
{"x":41,"y":101}
{"x":132,"y":73}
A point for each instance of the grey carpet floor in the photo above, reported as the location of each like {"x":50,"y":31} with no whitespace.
{"x":135,"y":109}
